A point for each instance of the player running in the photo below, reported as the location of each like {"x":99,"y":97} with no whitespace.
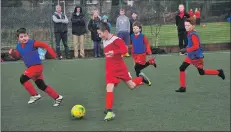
{"x":140,"y":49}
{"x":116,"y":69}
{"x":194,"y":56}
{"x":27,"y":50}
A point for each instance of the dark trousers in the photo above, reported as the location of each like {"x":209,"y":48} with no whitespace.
{"x":97,"y":48}
{"x":58,"y":37}
{"x":138,"y":67}
{"x":182,"y":37}
{"x":198,"y":21}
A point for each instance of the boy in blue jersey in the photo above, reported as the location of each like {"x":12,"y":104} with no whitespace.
{"x":140,"y":49}
{"x":27,"y":50}
{"x":194,"y":56}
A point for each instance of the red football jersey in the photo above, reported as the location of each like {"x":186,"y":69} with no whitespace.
{"x":115,"y":63}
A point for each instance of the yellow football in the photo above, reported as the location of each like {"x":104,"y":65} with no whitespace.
{"x":78,"y":111}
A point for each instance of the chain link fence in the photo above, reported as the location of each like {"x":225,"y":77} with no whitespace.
{"x":157,"y":17}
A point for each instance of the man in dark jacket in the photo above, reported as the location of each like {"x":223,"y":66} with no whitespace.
{"x":60,"y":29}
{"x":182,"y":34}
{"x":78,"y":30}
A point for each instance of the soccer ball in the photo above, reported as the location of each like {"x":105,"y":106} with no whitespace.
{"x":78,"y":111}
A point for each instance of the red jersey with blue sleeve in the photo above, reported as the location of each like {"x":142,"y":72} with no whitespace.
{"x":116,"y":68}
{"x":29,"y":52}
{"x":140,"y":48}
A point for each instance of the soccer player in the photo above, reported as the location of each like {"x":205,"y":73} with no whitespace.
{"x":194,"y":56}
{"x":140,"y":47}
{"x":116,"y":69}
{"x":27,"y":50}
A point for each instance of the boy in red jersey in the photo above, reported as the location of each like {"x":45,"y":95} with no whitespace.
{"x":194,"y":56}
{"x":27,"y":50}
{"x":116,"y":69}
{"x":140,"y":49}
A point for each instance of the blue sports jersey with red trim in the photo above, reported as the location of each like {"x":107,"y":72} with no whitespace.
{"x":138,"y":44}
{"x":29,"y":54}
{"x":197,"y":53}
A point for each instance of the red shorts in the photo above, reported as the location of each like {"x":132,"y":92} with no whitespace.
{"x":115,"y":77}
{"x":198,"y":63}
{"x":34,"y":72}
{"x":139,"y":58}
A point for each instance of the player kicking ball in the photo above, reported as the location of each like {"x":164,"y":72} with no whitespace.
{"x":194,"y":56}
{"x":27,"y":50}
{"x":140,"y":49}
{"x":116,"y":68}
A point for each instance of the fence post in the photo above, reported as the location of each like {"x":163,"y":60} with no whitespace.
{"x":51,"y":31}
{"x":187,"y":5}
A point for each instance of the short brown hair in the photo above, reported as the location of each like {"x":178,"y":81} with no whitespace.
{"x":137,"y":23}
{"x":20,"y":30}
{"x":191,"y":20}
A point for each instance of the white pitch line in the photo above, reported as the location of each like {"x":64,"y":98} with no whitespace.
{"x":159,"y":55}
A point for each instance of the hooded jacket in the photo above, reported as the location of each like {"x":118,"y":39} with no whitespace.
{"x":78,"y":22}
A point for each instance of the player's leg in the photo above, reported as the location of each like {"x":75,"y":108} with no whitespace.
{"x":39,"y":81}
{"x":127,"y":41}
{"x":199,"y":64}
{"x":133,"y":83}
{"x":182,"y":69}
{"x":109,"y":102}
{"x":24,"y":79}
{"x":219,"y":72}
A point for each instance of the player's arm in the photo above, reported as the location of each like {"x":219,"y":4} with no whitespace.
{"x":195,"y":44}
{"x":38,"y":44}
{"x":14,"y":53}
{"x":122,"y":47}
{"x":147,"y":44}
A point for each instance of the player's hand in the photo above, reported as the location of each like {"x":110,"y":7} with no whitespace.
{"x":183,"y":50}
{"x":10,"y":51}
{"x":109,"y":54}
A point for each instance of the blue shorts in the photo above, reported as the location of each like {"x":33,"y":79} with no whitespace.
{"x":125,"y":36}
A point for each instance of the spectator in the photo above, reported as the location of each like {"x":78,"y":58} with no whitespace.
{"x":191,"y":13}
{"x":105,"y":19}
{"x":123,"y":28}
{"x":182,"y":34}
{"x":198,"y":16}
{"x":93,"y":26}
{"x":78,"y":31}
{"x":60,"y":29}
{"x":132,"y":20}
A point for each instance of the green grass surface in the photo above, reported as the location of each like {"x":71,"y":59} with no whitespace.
{"x":212,"y":33}
{"x":204,"y":107}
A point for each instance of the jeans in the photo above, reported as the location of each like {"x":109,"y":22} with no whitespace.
{"x":58,"y":37}
{"x":97,"y":48}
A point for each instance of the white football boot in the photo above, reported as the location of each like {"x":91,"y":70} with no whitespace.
{"x":58,"y":101}
{"x":34,"y":98}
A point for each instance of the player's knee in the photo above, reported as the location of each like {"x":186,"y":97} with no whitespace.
{"x":201,"y":71}
{"x":110,"y":87}
{"x":41,"y":84}
{"x":24,"y":78}
{"x":182,"y":68}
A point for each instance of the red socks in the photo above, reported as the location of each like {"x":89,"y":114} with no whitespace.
{"x":51,"y":92}
{"x":109,"y":100}
{"x":30,"y":88}
{"x":182,"y":79}
{"x":137,"y":80}
{"x":211,"y":72}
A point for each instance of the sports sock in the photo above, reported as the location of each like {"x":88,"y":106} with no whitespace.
{"x":30,"y":88}
{"x":137,"y":80}
{"x":182,"y":79}
{"x":51,"y":92}
{"x":211,"y":72}
{"x":109,"y":100}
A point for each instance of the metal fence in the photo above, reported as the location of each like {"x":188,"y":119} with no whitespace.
{"x":154,"y":15}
